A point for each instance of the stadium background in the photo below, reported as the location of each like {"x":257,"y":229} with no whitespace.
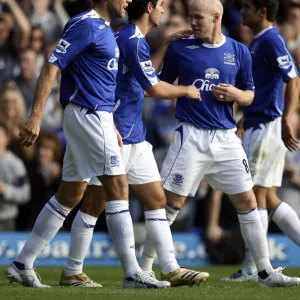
{"x":29,"y":30}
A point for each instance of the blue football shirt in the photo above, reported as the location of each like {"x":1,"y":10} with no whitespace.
{"x":135,"y":75}
{"x":87,"y":55}
{"x":205,"y":66}
{"x":272,"y":66}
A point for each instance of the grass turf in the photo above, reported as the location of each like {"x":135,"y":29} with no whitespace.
{"x":111,"y":279}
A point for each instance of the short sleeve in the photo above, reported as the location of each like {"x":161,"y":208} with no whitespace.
{"x":138,"y":60}
{"x":169,"y":71}
{"x":75,"y":39}
{"x":244,"y":77}
{"x":279,"y":57}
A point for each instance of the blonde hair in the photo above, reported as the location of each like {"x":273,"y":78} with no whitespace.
{"x":21,"y":110}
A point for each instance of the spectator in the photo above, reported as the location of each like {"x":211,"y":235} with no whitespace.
{"x":38,"y":44}
{"x":44,"y":173}
{"x":27,"y":79}
{"x":51,"y":22}
{"x":14,"y":185}
{"x":12,"y":108}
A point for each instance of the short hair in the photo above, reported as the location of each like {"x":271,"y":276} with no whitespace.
{"x":137,"y":8}
{"x":50,"y":140}
{"x":270,"y":5}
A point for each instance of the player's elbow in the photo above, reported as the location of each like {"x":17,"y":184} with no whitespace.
{"x":154,"y":91}
{"x":247,"y":99}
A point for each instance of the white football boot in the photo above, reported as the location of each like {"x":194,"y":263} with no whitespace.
{"x":144,"y":280}
{"x":26,"y":278}
{"x":241,"y":276}
{"x":277,"y":279}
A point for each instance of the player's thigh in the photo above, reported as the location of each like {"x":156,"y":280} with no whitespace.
{"x":152,"y":195}
{"x":141,"y":167}
{"x":266,"y":153}
{"x":94,"y":200}
{"x":230,"y":173}
{"x":185,"y":165}
{"x":91,"y":136}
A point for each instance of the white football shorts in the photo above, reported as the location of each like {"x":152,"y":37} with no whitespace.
{"x":266,"y":153}
{"x":92,"y":145}
{"x":140,"y":164}
{"x":195,"y":153}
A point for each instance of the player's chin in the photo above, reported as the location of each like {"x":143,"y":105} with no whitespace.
{"x":122,"y":13}
{"x":197,"y":35}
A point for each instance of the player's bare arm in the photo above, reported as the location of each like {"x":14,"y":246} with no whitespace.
{"x":226,"y":92}
{"x":292,"y":93}
{"x":31,"y":129}
{"x":164,"y":90}
{"x":158,"y":57}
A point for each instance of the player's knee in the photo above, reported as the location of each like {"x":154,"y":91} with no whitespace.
{"x":244,"y":201}
{"x":116,"y":188}
{"x":157,"y":202}
{"x":70,"y":194}
{"x":94,"y":201}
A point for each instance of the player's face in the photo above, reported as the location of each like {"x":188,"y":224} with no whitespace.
{"x":251,"y":16}
{"x":117,"y":8}
{"x":202,"y":21}
{"x":156,"y":13}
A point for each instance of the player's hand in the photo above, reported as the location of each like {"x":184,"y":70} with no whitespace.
{"x":178,"y":36}
{"x":30,"y":131}
{"x":288,"y":136}
{"x":119,"y":137}
{"x":214,"y":234}
{"x":226,"y":92}
{"x":193,"y":93}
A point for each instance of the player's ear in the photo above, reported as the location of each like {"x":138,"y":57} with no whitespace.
{"x":216,"y":17}
{"x":263,"y":12}
{"x":149,"y":7}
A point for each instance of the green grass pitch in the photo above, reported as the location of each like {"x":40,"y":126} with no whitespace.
{"x":111,"y":279}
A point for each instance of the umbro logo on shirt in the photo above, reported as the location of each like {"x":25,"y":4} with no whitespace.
{"x":192,"y":47}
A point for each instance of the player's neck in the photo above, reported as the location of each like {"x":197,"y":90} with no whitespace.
{"x":262,"y":26}
{"x":143,"y":25}
{"x":215,"y":38}
{"x":102,"y":10}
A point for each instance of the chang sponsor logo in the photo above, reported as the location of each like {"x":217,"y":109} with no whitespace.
{"x":206,"y":84}
{"x":112,"y":65}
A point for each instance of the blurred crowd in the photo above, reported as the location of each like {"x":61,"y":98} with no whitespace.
{"x":29,"y":30}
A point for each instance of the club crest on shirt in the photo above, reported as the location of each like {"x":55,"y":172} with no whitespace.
{"x":212,"y":73}
{"x":178,"y":179}
{"x":114,"y":160}
{"x":62,"y":46}
{"x":229,"y":58}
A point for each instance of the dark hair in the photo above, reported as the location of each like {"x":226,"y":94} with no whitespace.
{"x":137,"y":8}
{"x":270,"y":5}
